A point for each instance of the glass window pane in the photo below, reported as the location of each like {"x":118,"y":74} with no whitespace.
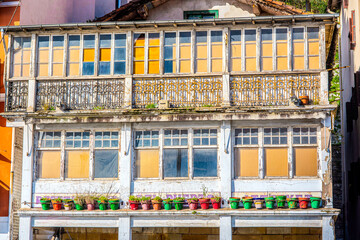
{"x":281,"y":34}
{"x":201,"y":37}
{"x":313,"y":32}
{"x":246,"y":140}
{"x":89,"y":41}
{"x":266,"y":34}
{"x":120,"y":40}
{"x":213,"y":141}
{"x":167,"y":142}
{"x":74,"y":41}
{"x":267,"y":140}
{"x":250,"y":35}
{"x":305,"y":140}
{"x":170,"y":38}
{"x":298,"y":33}
{"x":197,"y":141}
{"x":106,"y":163}
{"x":106,"y":143}
{"x":296,"y":140}
{"x":43,"y":42}
{"x":216,"y":36}
{"x":205,"y":162}
{"x":119,"y":68}
{"x":283,"y":140}
{"x":235,"y":36}
{"x":184,"y":142}
{"x":98,"y":143}
{"x":296,"y":131}
{"x":254,"y":140}
{"x":58,"y":41}
{"x":185,"y":37}
{"x":88,"y":68}
{"x":175,"y":162}
{"x":105,"y":41}
{"x":77,"y":164}
{"x":313,"y":140}
{"x":104,"y":68}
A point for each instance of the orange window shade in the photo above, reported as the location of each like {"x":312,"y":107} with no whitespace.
{"x":185,"y":66}
{"x":247,"y":162}
{"x":314,"y":63}
{"x":282,"y":63}
{"x":43,"y":56}
{"x":306,"y":162}
{"x":139,"y":53}
{"x":74,"y":55}
{"x":250,"y":50}
{"x":154,"y":53}
{"x":147,"y":163}
{"x":16,"y":71}
{"x":49,"y":164}
{"x":43,"y":69}
{"x":154,"y":41}
{"x":267,"y":49}
{"x":105,"y":55}
{"x":201,"y":65}
{"x":236,"y":65}
{"x":299,"y":48}
{"x":185,"y":52}
{"x":281,"y":49}
{"x":314,"y":48}
{"x":57,"y":69}
{"x":216,"y":51}
{"x":77,"y":164}
{"x":74,"y":69}
{"x":26,"y":56}
{"x":58,"y":56}
{"x":236,"y":50}
{"x":89,"y":55}
{"x":276,"y":161}
{"x":216,"y":65}
{"x":299,"y":63}
{"x":26,"y":70}
{"x":17,"y":56}
{"x":267,"y":64}
{"x":154,"y":67}
{"x":140,"y":42}
{"x":201,"y":51}
{"x":139,"y":67}
{"x":250,"y":64}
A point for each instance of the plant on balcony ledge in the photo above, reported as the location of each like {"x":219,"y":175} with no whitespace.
{"x":134,"y":202}
{"x":48,"y":107}
{"x":68,"y":204}
{"x":103,"y":202}
{"x":193,"y":203}
{"x":79,"y":202}
{"x":151,"y":106}
{"x":45,"y":203}
{"x":90,"y":202}
{"x":145,"y":202}
{"x":179,"y":203}
{"x":114,"y":203}
{"x":204,"y":201}
{"x":216,"y":201}
{"x":157,"y":202}
{"x":57,"y":203}
{"x":168,"y":203}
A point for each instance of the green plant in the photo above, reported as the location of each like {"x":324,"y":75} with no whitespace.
{"x":145,"y":199}
{"x":205,"y":191}
{"x":193,"y":199}
{"x":113,"y":199}
{"x":68,"y":201}
{"x":48,"y":107}
{"x":216,"y":198}
{"x":103,"y":199}
{"x":134,"y":199}
{"x":90,"y":199}
{"x":179,"y":199}
{"x":168,"y":200}
{"x":98,"y":108}
{"x":45,"y":199}
{"x":157,"y":198}
{"x":207,"y":105}
{"x":79,"y":199}
{"x":151,"y":105}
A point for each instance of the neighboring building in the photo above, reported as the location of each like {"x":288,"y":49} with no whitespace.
{"x":166,"y":106}
{"x":9,"y":15}
{"x":350,"y":102}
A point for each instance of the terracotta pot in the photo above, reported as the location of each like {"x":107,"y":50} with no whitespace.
{"x":90,"y":206}
{"x":204,"y":203}
{"x":145,"y":205}
{"x":156,"y":205}
{"x":57,"y":206}
{"x":303,"y":202}
{"x":304,"y":100}
{"x":216,"y":204}
{"x":193,"y":205}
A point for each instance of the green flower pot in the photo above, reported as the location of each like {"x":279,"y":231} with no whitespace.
{"x":280,"y":201}
{"x":315,"y":202}
{"x":102,"y":205}
{"x":167,"y":206}
{"x":292,"y":203}
{"x":234,"y":202}
{"x":179,"y":204}
{"x":114,"y":204}
{"x":247,"y":202}
{"x":79,"y":207}
{"x":45,"y":204}
{"x":269,"y":202}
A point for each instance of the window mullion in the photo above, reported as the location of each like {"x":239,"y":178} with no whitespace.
{"x":177,"y":53}
{"x":209,"y":57}
{"x":65,"y":57}
{"x":290,"y":49}
{"x":81,"y":54}
{"x":112,"y":50}
{"x":243,"y":45}
{"x":97,"y":50}
{"x":146,"y":57}
{"x":190,"y":153}
{"x":306,"y":53}
{"x":261,"y":153}
{"x":161,"y":141}
{"x":274,"y":52}
{"x":193,"y":51}
{"x":161,"y":52}
{"x":50,"y":69}
{"x":290,"y":153}
{"x":62,"y":156}
{"x":258,"y":49}
{"x":91,"y":156}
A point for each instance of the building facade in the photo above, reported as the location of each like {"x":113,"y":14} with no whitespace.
{"x":166,"y":108}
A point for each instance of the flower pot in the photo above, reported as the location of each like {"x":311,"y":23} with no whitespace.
{"x":193,"y":205}
{"x":57,"y":206}
{"x":280,"y":201}
{"x":102,"y":205}
{"x":67,"y":207}
{"x":156,"y":205}
{"x":179,"y":204}
{"x":303,"y":202}
{"x":79,"y":207}
{"x":315,"y":202}
{"x":145,"y":205}
{"x":90,"y":206}
{"x":247,"y":202}
{"x":204,"y":203}
{"x":114,"y":204}
{"x":234,"y":202}
{"x":45,"y":204}
{"x":304,"y":100}
{"x":269,"y":202}
{"x":216,"y":204}
{"x":134,"y":205}
{"x":258,"y":202}
{"x":292,"y":203}
{"x":167,"y":205}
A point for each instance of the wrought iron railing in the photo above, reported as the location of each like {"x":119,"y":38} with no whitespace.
{"x":179,"y":92}
{"x":268,"y":90}
{"x":17,"y":96}
{"x":80,"y":94}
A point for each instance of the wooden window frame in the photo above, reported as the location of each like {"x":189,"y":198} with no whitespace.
{"x":21,"y":64}
{"x":352,"y":30}
{"x":202,"y":13}
{"x":68,"y":55}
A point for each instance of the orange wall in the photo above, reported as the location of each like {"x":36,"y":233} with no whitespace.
{"x":5,"y":133}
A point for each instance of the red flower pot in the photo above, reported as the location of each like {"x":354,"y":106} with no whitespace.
{"x":90,"y":206}
{"x":193,"y":205}
{"x":303,"y":202}
{"x":204,"y":203}
{"x":215,"y":204}
{"x":57,"y":206}
{"x":134,"y":205}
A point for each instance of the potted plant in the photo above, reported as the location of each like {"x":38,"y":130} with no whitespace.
{"x":258,"y":203}
{"x":179,"y":203}
{"x":292,"y":202}
{"x":145,"y":202}
{"x":304,"y":100}
{"x":134,"y":202}
{"x":168,"y":203}
{"x":90,"y":202}
{"x":247,"y":202}
{"x":303,"y":202}
{"x":269,"y":202}
{"x":193,"y":203}
{"x":114,"y":203}
{"x":204,"y":201}
{"x":234,"y":202}
{"x":216,"y":202}
{"x":45,"y":203}
{"x":79,"y":202}
{"x":157,"y":202}
{"x":57,"y":203}
{"x":103,"y":202}
{"x":315,"y":202}
{"x":280,"y":201}
{"x":68,"y":204}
